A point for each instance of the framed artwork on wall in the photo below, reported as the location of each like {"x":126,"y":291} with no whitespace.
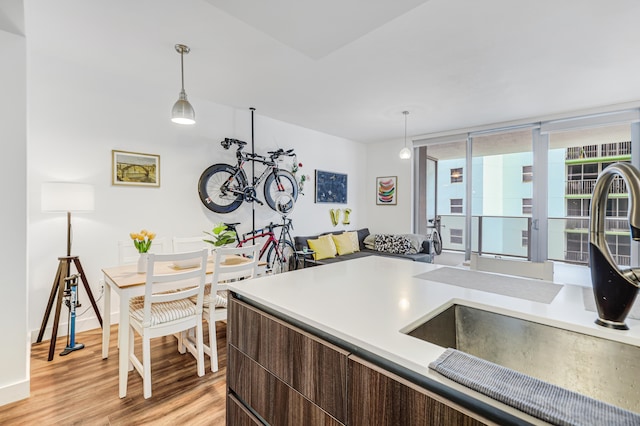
{"x":387,"y":191}
{"x":135,"y":169}
{"x":331,"y":187}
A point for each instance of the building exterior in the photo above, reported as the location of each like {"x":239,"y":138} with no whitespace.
{"x":583,"y":165}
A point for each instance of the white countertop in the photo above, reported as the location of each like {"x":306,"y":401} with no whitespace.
{"x":368,"y":301}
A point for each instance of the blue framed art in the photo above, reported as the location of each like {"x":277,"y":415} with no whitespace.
{"x":331,"y":187}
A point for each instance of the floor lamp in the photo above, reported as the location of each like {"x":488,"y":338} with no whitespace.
{"x":65,"y":197}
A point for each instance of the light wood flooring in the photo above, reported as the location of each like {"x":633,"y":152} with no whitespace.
{"x":82,"y":389}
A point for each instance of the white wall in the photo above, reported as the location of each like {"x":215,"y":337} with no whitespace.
{"x":14,"y":365}
{"x":383,"y":160}
{"x":77,"y":115}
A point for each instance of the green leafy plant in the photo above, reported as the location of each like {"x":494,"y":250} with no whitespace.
{"x":220,"y":235}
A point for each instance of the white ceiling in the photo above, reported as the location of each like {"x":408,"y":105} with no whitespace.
{"x":350,"y":67}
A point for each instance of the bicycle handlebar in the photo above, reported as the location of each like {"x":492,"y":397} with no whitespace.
{"x":273,"y":155}
{"x":280,"y":152}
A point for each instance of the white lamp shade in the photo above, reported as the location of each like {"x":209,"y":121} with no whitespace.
{"x":405,"y":153}
{"x":67,"y":197}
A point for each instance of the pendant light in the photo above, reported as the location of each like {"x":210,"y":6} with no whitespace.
{"x":182,"y":111}
{"x":405,"y":153}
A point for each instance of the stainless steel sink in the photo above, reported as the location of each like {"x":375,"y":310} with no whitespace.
{"x":596,"y":367}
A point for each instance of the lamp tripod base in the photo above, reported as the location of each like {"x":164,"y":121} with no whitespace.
{"x":70,"y":349}
{"x":56,"y":296}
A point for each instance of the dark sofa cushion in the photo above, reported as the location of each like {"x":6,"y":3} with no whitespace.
{"x":362,"y":234}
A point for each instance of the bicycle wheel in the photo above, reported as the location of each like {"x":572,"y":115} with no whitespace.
{"x":278,"y":183}
{"x":282,"y":258}
{"x":437,"y":242}
{"x":216,"y":193}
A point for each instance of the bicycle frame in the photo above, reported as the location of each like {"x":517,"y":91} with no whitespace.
{"x":270,"y":240}
{"x":242,"y":158}
{"x":279,"y":245}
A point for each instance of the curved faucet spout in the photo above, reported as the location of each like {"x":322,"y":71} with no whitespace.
{"x":614,"y":289}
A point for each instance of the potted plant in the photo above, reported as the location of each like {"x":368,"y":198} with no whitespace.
{"x":220,"y":236}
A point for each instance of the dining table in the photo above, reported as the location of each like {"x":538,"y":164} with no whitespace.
{"x":127,"y":282}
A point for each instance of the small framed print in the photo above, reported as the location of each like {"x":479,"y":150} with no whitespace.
{"x":387,"y":191}
{"x":135,"y":169}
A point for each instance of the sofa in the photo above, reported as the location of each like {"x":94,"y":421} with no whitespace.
{"x":403,"y":246}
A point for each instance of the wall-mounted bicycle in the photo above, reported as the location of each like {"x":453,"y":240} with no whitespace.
{"x":223,"y":187}
{"x":281,"y":253}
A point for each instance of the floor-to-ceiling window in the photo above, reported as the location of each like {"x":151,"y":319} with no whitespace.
{"x":491,"y":200}
{"x":443,"y":191}
{"x":502,"y":191}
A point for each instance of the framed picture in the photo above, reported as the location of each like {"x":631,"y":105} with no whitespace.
{"x":331,"y":187}
{"x":135,"y":169}
{"x":387,"y":191}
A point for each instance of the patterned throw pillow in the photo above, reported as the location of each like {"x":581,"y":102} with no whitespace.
{"x":394,"y":244}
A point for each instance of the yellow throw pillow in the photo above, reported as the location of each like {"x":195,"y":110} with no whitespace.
{"x":354,"y":240}
{"x":323,"y":247}
{"x":343,"y":243}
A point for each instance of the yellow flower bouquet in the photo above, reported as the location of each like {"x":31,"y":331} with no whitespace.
{"x":142,"y":240}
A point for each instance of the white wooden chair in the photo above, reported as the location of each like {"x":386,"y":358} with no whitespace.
{"x":226,"y":269}
{"x":167,"y":309}
{"x":181,"y":244}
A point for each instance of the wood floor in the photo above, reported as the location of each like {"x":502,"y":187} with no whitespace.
{"x":82,"y":389}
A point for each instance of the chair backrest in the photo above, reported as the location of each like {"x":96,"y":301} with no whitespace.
{"x":229,"y":266}
{"x":182,"y":244}
{"x":166,"y":284}
{"x":127,"y":252}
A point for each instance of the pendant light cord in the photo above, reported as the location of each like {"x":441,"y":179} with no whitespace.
{"x":405,"y":127}
{"x":182,"y":67}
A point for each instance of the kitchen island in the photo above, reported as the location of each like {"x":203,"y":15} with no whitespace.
{"x":305,"y":334}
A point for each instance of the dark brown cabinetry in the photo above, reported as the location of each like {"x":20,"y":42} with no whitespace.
{"x":238,"y":414}
{"x":286,"y":376}
{"x":378,"y":397}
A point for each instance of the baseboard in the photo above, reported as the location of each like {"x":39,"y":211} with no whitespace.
{"x":14,"y":392}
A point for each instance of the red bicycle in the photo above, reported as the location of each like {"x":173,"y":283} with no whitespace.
{"x":281,"y":253}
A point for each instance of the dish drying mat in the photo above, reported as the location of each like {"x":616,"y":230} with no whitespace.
{"x":535,"y":397}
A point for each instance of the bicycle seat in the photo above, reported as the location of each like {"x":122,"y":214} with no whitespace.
{"x":277,"y":153}
{"x":232,"y":225}
{"x":226,"y":143}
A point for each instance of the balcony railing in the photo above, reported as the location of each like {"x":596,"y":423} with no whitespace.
{"x":585,"y":186}
{"x":618,"y":224}
{"x":613,"y":149}
{"x":511,"y":236}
